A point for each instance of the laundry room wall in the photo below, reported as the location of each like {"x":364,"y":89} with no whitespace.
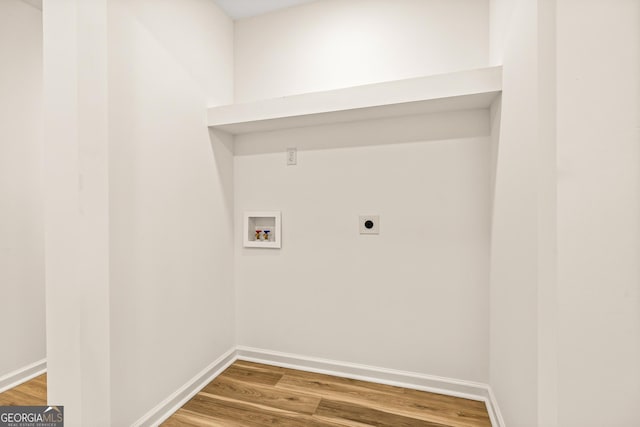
{"x":415,"y":297}
{"x":22,"y":317}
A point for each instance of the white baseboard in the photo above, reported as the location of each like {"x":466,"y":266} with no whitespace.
{"x":24,"y":374}
{"x":448,"y":386}
{"x":494,"y":410}
{"x":171,"y":404}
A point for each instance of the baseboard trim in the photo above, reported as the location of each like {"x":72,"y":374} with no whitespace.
{"x":434,"y":384}
{"x":176,"y":400}
{"x":22,"y":375}
{"x":494,"y":410}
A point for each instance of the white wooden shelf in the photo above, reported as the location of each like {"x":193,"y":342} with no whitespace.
{"x":462,"y":90}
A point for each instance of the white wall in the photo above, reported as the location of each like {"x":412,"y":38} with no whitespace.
{"x":413,"y":298}
{"x":76,"y":201}
{"x":500,"y":26}
{"x":599,"y":212}
{"x":515,"y":230}
{"x":22,"y":317}
{"x":330,"y":44}
{"x":547,"y":297}
{"x":575,"y":87}
{"x":172,"y":310}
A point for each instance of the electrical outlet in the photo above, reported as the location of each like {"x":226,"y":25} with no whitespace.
{"x":369,"y":224}
{"x":292,"y":156}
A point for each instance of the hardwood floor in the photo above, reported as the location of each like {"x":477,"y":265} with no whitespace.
{"x":31,"y":393}
{"x":253,"y":395}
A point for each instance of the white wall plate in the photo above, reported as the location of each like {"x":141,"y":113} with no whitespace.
{"x":262,"y":229}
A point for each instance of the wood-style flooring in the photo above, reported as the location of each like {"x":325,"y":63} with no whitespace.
{"x":254,"y":395}
{"x":30,"y":393}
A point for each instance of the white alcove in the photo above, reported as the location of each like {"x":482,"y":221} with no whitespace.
{"x":262,"y":230}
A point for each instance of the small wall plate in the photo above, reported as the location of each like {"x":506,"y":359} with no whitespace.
{"x":369,"y":224}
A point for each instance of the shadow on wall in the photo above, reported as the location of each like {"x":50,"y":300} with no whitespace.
{"x":419,"y":128}
{"x":222,"y":149}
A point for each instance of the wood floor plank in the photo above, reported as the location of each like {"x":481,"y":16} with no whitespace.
{"x":268,"y":396}
{"x":333,"y":410}
{"x":259,"y":366}
{"x":253,"y":406}
{"x":253,"y":375}
{"x":40,"y":380}
{"x":184,"y":418}
{"x":237,"y":414}
{"x":412,"y":403}
{"x":322,"y":380}
{"x":30,"y":393}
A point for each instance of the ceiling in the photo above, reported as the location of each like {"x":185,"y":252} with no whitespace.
{"x":35,"y":3}
{"x":238,"y":9}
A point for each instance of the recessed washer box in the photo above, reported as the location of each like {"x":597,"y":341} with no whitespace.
{"x":369,"y":224}
{"x":262,"y":229}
